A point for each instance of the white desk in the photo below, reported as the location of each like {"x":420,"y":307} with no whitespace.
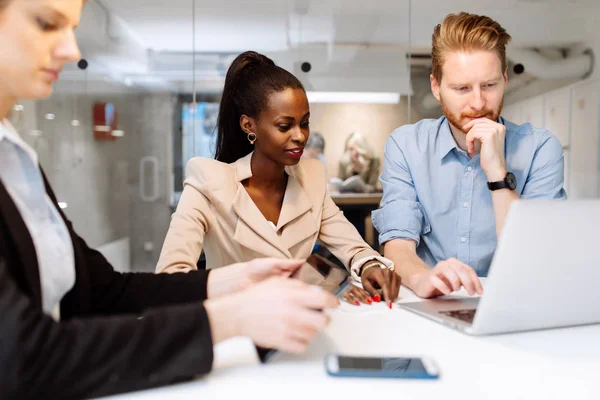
{"x":552,"y":364}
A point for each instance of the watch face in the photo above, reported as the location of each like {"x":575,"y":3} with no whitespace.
{"x":511,"y":181}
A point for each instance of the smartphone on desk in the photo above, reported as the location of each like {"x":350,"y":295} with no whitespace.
{"x":381,"y":367}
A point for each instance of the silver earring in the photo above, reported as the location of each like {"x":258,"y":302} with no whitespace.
{"x":252,"y":137}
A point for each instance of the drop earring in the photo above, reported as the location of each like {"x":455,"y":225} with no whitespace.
{"x":252,"y":137}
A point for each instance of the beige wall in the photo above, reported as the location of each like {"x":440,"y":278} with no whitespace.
{"x":376,"y":121}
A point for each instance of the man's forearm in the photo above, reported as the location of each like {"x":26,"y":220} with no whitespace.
{"x":502,"y":199}
{"x":406,"y":261}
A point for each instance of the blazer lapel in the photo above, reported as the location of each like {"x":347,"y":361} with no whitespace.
{"x":24,"y":243}
{"x":295,"y":215}
{"x":252,"y":229}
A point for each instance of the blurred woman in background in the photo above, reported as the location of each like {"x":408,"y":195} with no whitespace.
{"x":359,"y":159}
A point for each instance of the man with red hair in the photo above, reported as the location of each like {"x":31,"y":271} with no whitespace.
{"x":448,"y":183}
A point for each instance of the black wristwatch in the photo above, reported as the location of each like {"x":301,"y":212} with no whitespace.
{"x":509,"y":182}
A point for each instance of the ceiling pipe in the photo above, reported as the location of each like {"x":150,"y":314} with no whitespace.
{"x":532,"y":62}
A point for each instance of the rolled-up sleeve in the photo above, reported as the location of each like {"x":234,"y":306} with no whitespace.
{"x":547,"y":175}
{"x":400,"y":215}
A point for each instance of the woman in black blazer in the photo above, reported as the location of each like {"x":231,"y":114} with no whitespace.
{"x":116,"y":332}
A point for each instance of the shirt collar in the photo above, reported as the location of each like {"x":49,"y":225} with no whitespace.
{"x":5,"y":131}
{"x":8,"y":132}
{"x":446,"y":140}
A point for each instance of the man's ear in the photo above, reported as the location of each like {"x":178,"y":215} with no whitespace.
{"x":435,"y":87}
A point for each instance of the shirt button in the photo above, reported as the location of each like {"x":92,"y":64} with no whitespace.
{"x":463,"y":239}
{"x":469,"y":169}
{"x":466,"y":204}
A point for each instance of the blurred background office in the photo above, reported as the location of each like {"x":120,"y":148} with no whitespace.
{"x":115,"y":136}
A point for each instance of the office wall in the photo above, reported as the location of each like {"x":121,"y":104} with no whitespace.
{"x":100,"y":180}
{"x":89,"y":175}
{"x":149,"y":205}
{"x":376,"y":121}
{"x":572,"y":113}
{"x":595,"y":45}
{"x":535,"y":88}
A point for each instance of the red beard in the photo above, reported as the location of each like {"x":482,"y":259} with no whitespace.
{"x":456,"y":121}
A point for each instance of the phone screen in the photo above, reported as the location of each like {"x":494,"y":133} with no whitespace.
{"x":394,"y":364}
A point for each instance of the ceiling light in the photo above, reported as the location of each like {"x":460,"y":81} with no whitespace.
{"x":354,"y":97}
{"x":50,"y":117}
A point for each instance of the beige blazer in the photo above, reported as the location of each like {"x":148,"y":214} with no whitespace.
{"x":216,"y":213}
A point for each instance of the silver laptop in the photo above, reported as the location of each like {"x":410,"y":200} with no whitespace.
{"x":545,"y":273}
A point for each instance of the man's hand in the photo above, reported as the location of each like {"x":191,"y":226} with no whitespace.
{"x":446,"y":277}
{"x":491,"y":135}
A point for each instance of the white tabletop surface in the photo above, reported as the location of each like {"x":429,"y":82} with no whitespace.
{"x":551,"y":364}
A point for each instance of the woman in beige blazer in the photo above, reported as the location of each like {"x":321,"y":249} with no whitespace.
{"x":257,"y":199}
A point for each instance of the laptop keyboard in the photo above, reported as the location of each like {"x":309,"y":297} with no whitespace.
{"x":463,"y":315}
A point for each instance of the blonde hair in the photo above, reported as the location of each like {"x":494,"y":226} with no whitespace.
{"x":467,"y":32}
{"x":362,"y":146}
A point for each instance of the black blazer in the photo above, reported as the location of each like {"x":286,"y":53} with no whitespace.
{"x":115,"y":334}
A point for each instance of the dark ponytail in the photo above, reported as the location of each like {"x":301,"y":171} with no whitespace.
{"x":251,"y":78}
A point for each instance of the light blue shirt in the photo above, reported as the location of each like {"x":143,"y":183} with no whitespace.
{"x":434,"y":194}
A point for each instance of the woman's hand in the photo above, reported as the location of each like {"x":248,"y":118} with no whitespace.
{"x":376,"y":281}
{"x":240,"y":276}
{"x":278,"y":313}
{"x":357,"y":295}
{"x":384,"y":279}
